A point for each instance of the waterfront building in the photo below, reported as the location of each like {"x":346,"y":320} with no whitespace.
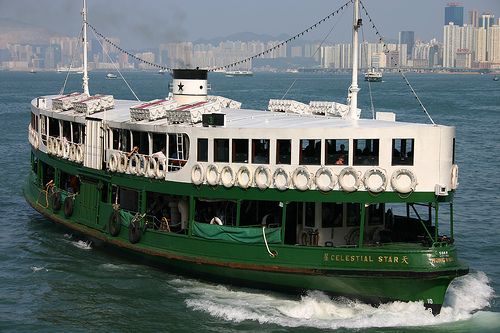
{"x":451,"y":44}
{"x":408,"y":38}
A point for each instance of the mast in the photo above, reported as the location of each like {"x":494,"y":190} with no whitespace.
{"x":85,"y":70}
{"x":353,"y":89}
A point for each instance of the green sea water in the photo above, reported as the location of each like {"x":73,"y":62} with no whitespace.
{"x":52,"y":281}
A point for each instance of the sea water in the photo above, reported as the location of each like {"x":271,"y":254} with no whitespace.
{"x":51,"y":281}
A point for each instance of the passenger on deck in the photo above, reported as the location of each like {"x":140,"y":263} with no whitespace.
{"x":134,"y":150}
{"x":340,"y":160}
{"x":160,"y":155}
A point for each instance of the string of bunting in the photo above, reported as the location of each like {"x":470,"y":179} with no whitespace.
{"x":331,"y":15}
{"x":386,"y":50}
{"x":126,"y":52}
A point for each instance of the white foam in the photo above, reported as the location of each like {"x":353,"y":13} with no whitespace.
{"x":38,"y":269}
{"x":83,"y":245}
{"x":320,"y":311}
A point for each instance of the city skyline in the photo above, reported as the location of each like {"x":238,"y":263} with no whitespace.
{"x":155,"y":21}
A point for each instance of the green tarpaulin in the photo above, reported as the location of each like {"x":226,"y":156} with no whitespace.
{"x":251,"y":235}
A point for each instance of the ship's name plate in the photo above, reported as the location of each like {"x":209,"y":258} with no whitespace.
{"x":382,"y":259}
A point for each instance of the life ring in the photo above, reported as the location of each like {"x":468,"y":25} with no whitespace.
{"x":60,"y":148}
{"x":346,"y":173}
{"x":56,"y":201}
{"x":161,"y":168}
{"x":37,"y":140}
{"x":454,"y":177}
{"x":134,"y":163}
{"x":113,"y":162}
{"x":151,"y":166}
{"x":281,"y":180}
{"x":325,"y":179}
{"x":212,"y":175}
{"x":227,"y":176}
{"x":379,"y":184}
{"x":79,"y":153}
{"x":68,"y":206}
{"x":399,"y":184}
{"x":134,"y":232}
{"x":140,"y":169}
{"x":301,"y":178}
{"x":262,"y":177}
{"x":216,"y":220}
{"x":244,"y":177}
{"x":49,"y":145}
{"x":65,"y":149}
{"x":114,"y":223}
{"x":197,"y":174}
{"x":72,"y":152}
{"x":122,"y":163}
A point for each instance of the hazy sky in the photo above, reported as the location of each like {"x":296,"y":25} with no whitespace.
{"x":150,"y":22}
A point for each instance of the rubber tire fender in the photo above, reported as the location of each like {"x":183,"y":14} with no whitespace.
{"x":134,"y":232}
{"x":68,"y":206}
{"x":114,"y":223}
{"x":56,"y":201}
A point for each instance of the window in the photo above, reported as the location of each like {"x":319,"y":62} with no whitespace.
{"x":128,"y":199}
{"x":365,"y":152}
{"x":331,"y":215}
{"x":54,"y":127}
{"x":260,"y":151}
{"x":202,"y":153}
{"x":66,"y":127}
{"x":141,"y":141}
{"x":159,"y":144}
{"x":402,"y":151}
{"x":283,"y":151}
{"x":375,"y":214}
{"x":240,"y":151}
{"x":310,"y":152}
{"x":337,"y":152}
{"x":310,"y":214}
{"x":353,"y":214}
{"x":221,"y":150}
{"x":77,"y":133}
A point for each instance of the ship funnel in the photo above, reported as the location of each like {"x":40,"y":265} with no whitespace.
{"x":189,"y":85}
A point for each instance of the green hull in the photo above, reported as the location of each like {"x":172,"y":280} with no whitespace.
{"x":405,"y":272}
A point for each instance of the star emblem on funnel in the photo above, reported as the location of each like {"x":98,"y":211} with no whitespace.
{"x":181,"y":87}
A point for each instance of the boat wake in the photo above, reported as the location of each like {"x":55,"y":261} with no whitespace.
{"x":84,"y":245}
{"x":320,"y":311}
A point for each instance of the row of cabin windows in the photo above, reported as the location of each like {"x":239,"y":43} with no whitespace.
{"x":173,"y":145}
{"x":336,"y":151}
{"x":71,"y":131}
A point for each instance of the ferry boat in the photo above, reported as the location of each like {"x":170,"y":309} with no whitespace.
{"x":373,"y":75}
{"x":111,"y":76}
{"x":238,"y":73}
{"x":298,"y":197}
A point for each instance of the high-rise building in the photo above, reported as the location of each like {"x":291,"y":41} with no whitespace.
{"x":473,"y":18}
{"x":451,"y":44}
{"x":408,"y":38}
{"x":454,"y":12}
{"x":486,"y":20}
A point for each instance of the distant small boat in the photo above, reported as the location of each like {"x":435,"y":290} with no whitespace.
{"x":162,"y":71}
{"x":372,"y":75}
{"x":239,"y":73}
{"x":111,"y":76}
{"x":495,"y":78}
{"x":32,"y":71}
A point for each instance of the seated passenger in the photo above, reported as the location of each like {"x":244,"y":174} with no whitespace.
{"x":340,"y":160}
{"x":134,"y":150}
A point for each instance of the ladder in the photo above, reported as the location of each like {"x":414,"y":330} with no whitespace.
{"x":180,"y":146}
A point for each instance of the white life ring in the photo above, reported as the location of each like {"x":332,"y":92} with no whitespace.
{"x":72,"y":152}
{"x":399,"y":183}
{"x":216,"y":220}
{"x":227,"y":176}
{"x":60,"y":148}
{"x":262,"y":177}
{"x":281,"y":179}
{"x":197,"y":174}
{"x":301,"y":178}
{"x":212,"y":175}
{"x":113,"y":161}
{"x":244,"y":177}
{"x":37,"y":140}
{"x":134,"y":163}
{"x":79,"y":153}
{"x":140,"y":168}
{"x":151,"y":166}
{"x":325,"y":179}
{"x":161,"y":168}
{"x":66,"y":149}
{"x":49,"y":145}
{"x":454,"y":177}
{"x":122,"y":163}
{"x":344,"y":176}
{"x":375,"y":180}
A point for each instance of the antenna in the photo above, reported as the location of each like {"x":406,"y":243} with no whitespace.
{"x":353,"y":89}
{"x":85,"y":78}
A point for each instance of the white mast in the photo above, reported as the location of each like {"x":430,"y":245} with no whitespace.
{"x":353,"y":89}
{"x":85,"y":71}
